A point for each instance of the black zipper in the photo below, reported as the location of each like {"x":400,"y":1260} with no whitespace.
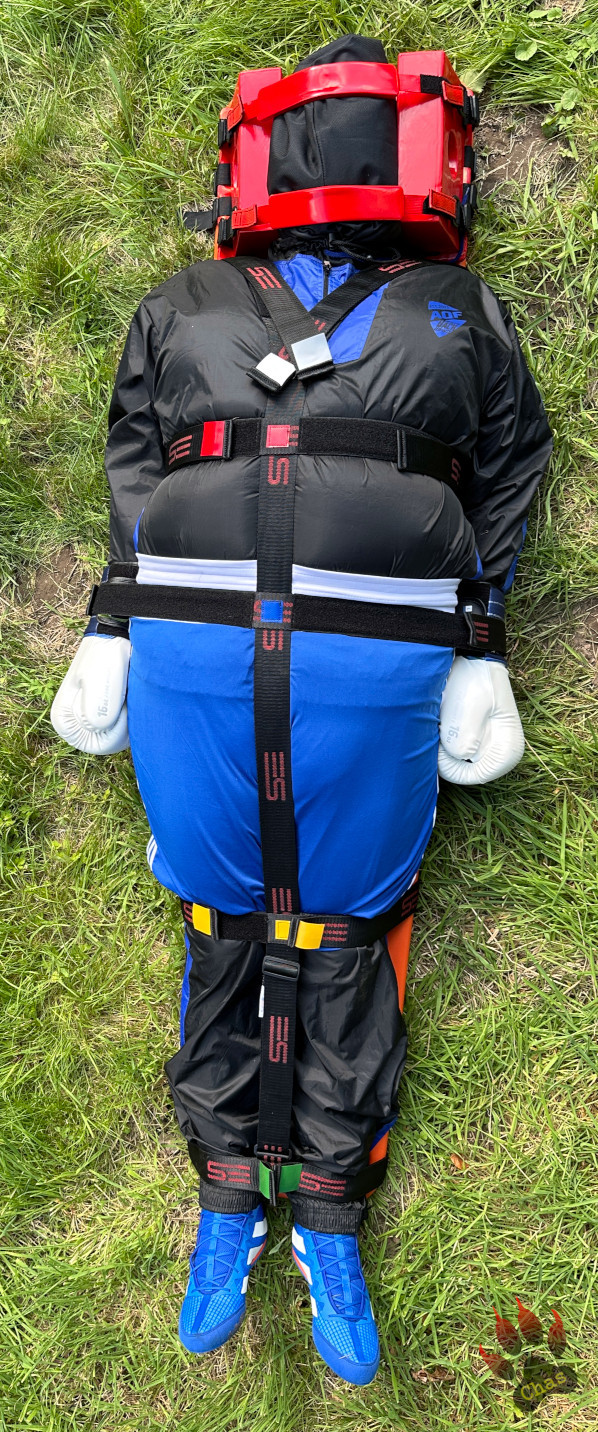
{"x":326,"y":265}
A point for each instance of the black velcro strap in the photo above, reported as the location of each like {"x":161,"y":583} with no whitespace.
{"x":409,"y":448}
{"x":243,"y":1172}
{"x":455,"y":94}
{"x":475,"y":635}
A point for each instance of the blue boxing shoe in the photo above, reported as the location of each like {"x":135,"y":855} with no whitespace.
{"x":228,"y":1244}
{"x":343,"y":1326}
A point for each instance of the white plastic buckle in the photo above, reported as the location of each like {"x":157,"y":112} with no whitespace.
{"x":312,"y":355}
{"x":274,"y":370}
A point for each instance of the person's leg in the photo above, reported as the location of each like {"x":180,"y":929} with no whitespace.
{"x":350,"y":1052}
{"x":214,"y":1078}
{"x":215,"y":1084}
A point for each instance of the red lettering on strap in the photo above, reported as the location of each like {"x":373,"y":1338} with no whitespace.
{"x":264,"y":277}
{"x":276,"y":788}
{"x":278,"y":1048}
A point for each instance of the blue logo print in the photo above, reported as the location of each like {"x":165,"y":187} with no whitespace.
{"x":445,"y":319}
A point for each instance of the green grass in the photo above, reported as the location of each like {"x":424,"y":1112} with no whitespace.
{"x":107,"y":123}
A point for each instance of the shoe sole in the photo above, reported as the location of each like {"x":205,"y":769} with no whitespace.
{"x":199,"y":1343}
{"x":358,"y":1375}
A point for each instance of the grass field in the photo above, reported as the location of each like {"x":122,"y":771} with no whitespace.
{"x":107,"y":124}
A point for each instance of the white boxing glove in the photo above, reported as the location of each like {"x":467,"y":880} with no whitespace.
{"x":481,"y":736}
{"x":89,"y":710}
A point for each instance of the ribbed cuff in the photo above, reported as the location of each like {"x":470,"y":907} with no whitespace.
{"x":319,"y":1216}
{"x":226,"y":1200}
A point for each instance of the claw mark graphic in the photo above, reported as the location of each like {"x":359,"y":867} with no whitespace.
{"x":506,"y":1334}
{"x":539,"y":1376}
{"x":556,"y":1336}
{"x":529,"y":1324}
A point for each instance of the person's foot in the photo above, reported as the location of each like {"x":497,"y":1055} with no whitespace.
{"x":228,"y":1244}
{"x":343,"y":1326}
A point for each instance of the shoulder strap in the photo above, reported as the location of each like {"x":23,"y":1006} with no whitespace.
{"x":304,"y":333}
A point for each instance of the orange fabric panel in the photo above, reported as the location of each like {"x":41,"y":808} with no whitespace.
{"x":398,"y":941}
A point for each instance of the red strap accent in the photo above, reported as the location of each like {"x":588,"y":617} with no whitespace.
{"x":320,"y":82}
{"x":212,"y":439}
{"x":282,"y":435}
{"x":445,"y":202}
{"x":453,"y":94}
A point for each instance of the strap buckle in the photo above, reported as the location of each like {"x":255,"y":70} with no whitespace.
{"x":312,"y":356}
{"x":205,"y":919}
{"x":280,"y":968}
{"x":276,"y":1175}
{"x":296,"y":933}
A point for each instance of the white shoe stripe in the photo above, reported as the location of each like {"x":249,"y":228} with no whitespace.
{"x":245,"y":1283}
{"x":314,"y":1306}
{"x":254,"y":1253}
{"x":306,"y":1270}
{"x":298,"y":1240}
{"x":261,"y":1228}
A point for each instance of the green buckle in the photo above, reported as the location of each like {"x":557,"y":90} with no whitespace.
{"x":283,"y":1178}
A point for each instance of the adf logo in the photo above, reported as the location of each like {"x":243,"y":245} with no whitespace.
{"x":536,"y":1375}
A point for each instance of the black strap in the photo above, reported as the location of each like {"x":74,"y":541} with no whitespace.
{"x":453,"y":93}
{"x":339,"y":931}
{"x":293,"y":322}
{"x":272,"y":723}
{"x":411,"y":449}
{"x":242,"y":1171}
{"x":274,"y":615}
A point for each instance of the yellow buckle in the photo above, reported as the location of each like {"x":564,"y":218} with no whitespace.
{"x":202,"y":919}
{"x":298,"y":934}
{"x":309,"y":936}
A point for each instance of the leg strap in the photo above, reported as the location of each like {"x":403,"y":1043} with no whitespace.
{"x":226,"y":1172}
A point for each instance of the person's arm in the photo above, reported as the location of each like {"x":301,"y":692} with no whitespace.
{"x":481,"y":737}
{"x":89,"y":710}
{"x":134,"y":454}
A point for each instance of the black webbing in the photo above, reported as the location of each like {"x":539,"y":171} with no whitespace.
{"x":229,"y":1172}
{"x":272,"y":722}
{"x":280,"y":972}
{"x":340,"y":931}
{"x":289,"y":316}
{"x":330,"y":311}
{"x":469,"y":632}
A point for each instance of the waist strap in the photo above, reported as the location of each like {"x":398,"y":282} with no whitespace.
{"x":472,"y":633}
{"x":304,"y":931}
{"x":410,"y":449}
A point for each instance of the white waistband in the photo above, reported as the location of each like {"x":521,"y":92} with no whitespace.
{"x":438,"y":594}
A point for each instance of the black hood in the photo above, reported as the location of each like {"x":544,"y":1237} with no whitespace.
{"x":352,"y":140}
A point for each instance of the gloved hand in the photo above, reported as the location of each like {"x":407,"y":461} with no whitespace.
{"x":89,"y":709}
{"x":481,"y":736}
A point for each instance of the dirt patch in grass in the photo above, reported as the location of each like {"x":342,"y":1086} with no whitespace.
{"x":585,"y":636}
{"x":507,"y":147}
{"x":49,"y":598}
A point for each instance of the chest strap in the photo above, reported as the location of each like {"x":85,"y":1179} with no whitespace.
{"x":410,"y":449}
{"x":470,"y":632}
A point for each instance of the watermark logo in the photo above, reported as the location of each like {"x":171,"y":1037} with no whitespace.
{"x":535,"y":1374}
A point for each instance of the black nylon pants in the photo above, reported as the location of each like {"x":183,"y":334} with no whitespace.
{"x":351,"y":1044}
